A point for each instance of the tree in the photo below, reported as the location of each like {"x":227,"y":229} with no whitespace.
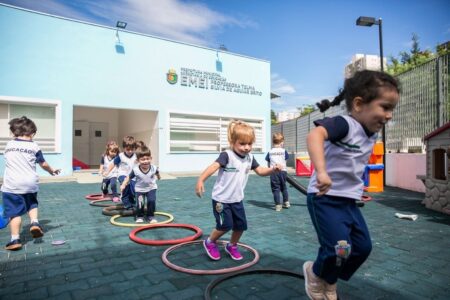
{"x":305,"y":110}
{"x":273,"y":117}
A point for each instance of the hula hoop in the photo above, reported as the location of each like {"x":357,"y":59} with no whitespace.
{"x":97,"y":197}
{"x":207,"y":272}
{"x":114,"y":222}
{"x":219,"y":280}
{"x":97,"y":203}
{"x":365,"y":198}
{"x":134,"y":238}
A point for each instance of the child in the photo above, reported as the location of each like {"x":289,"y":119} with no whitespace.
{"x":278,"y":155}
{"x":145,"y":187}
{"x":111,"y":151}
{"x":125,"y":162}
{"x":20,"y":185}
{"x":339,"y":148}
{"x":234,"y":166}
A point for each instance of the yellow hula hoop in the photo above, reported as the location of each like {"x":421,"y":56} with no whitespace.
{"x":157,"y":213}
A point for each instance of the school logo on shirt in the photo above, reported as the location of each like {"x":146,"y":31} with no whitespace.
{"x":172,"y":76}
{"x":348,"y":147}
{"x":230,"y":169}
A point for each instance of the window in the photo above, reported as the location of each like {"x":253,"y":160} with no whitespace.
{"x":198,"y":133}
{"x":439,"y":164}
{"x":45,"y":115}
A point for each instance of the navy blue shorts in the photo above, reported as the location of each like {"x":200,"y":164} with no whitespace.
{"x":231,"y":217}
{"x":15,"y":205}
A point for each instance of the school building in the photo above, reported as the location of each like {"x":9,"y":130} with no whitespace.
{"x":84,"y":84}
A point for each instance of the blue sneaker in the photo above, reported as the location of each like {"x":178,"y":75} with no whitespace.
{"x":14,"y":245}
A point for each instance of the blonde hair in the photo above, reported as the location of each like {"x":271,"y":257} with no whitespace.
{"x":111,"y":146}
{"x":277,"y":138}
{"x":240,"y":131}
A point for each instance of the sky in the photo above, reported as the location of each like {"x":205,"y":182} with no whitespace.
{"x":308,"y":43}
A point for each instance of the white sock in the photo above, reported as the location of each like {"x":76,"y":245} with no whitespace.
{"x":14,"y":237}
{"x":34,"y":221}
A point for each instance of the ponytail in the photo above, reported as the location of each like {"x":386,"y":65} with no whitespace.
{"x":326,"y":104}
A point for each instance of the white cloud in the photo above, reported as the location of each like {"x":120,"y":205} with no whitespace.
{"x":281,"y":86}
{"x":183,"y":21}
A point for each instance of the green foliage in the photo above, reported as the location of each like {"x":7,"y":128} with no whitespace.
{"x":411,"y":59}
{"x":305,"y":110}
{"x":273,"y":117}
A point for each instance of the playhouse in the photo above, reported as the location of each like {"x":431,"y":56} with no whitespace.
{"x":437,"y":179}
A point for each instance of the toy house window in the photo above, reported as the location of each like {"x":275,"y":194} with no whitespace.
{"x":439,"y":164}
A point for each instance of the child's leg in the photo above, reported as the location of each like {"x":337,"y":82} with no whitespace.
{"x":14,"y":226}
{"x":361,"y":245}
{"x":131,"y":192}
{"x":275,"y":186}
{"x":151,"y":203}
{"x":235,"y":236}
{"x":215,"y":235}
{"x":104,"y":186}
{"x":113,"y":181}
{"x":140,"y":203}
{"x":332,"y":221}
{"x":125,"y":194}
{"x":283,"y":186}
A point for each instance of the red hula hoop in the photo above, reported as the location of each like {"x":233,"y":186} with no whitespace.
{"x":134,"y":232}
{"x":208,"y":272}
{"x":97,"y":197}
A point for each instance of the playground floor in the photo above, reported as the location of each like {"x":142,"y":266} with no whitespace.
{"x":410,"y":259}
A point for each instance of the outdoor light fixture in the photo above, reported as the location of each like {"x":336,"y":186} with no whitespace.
{"x":121,"y":24}
{"x":369,"y":21}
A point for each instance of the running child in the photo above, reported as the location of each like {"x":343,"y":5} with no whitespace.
{"x":20,"y":180}
{"x":340,"y":148}
{"x":234,"y":166}
{"x":145,"y":187}
{"x":278,"y":155}
{"x":111,"y":151}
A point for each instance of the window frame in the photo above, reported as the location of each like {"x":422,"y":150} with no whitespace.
{"x":38,"y":102}
{"x":223,"y":121}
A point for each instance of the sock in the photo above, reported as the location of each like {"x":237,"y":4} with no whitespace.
{"x":34,"y":221}
{"x":209,"y":241}
{"x":14,"y":237}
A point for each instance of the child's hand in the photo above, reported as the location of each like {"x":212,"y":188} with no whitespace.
{"x":55,"y":172}
{"x":199,"y":189}
{"x":277,"y":168}
{"x":323,"y":183}
{"x":122,"y":187}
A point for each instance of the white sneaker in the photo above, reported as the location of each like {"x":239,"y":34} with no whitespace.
{"x":139,"y":220}
{"x":314,"y":286}
{"x":278,"y":207}
{"x":286,"y":204}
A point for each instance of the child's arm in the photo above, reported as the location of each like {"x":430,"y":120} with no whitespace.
{"x":315,"y":141}
{"x":158,"y":176}
{"x":199,"y":188}
{"x":100,"y":170}
{"x":263,"y":171}
{"x":124,"y":183}
{"x":44,"y":165}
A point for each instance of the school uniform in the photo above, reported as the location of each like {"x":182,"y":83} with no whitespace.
{"x":335,"y":215}
{"x":125,"y":165}
{"x":228,"y":190}
{"x":278,"y":155}
{"x":20,"y":180}
{"x":111,"y":178}
{"x":145,"y":189}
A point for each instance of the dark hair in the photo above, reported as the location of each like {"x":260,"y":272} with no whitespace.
{"x":143,"y":151}
{"x":22,"y":127}
{"x":128,"y":142}
{"x":365,"y":84}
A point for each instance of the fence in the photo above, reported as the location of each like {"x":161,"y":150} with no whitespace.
{"x":424,"y":106}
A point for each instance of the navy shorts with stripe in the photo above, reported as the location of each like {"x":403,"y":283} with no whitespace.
{"x":231,"y":217}
{"x":15,"y":205}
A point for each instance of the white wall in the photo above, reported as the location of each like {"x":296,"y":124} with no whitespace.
{"x":402,"y":169}
{"x":142,"y":125}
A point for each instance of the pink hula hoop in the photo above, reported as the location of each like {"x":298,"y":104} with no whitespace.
{"x":97,"y":197}
{"x":134,"y":232}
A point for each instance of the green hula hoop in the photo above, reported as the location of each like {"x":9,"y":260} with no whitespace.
{"x":157,"y":213}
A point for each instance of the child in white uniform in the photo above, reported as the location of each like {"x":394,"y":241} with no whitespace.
{"x":20,"y":181}
{"x":145,"y":188}
{"x":340,"y":148}
{"x":111,"y":151}
{"x":234,"y":166}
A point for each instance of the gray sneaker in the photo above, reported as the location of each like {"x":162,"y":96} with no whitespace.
{"x":314,"y":286}
{"x":286,"y":204}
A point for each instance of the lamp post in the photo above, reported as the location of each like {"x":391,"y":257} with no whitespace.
{"x":369,"y":21}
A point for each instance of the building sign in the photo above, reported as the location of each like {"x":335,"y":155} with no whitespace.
{"x":209,"y":81}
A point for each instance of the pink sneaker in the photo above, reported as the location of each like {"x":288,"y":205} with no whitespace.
{"x":115,"y":199}
{"x":233,"y":251}
{"x":211,"y":250}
